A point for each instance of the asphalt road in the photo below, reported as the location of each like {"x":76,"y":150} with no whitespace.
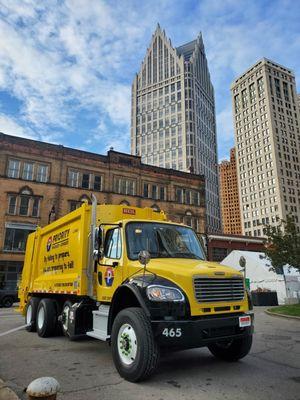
{"x":85,"y":369}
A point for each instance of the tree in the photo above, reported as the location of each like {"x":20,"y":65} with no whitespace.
{"x":283,"y":245}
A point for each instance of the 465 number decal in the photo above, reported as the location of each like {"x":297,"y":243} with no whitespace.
{"x":172,"y":332}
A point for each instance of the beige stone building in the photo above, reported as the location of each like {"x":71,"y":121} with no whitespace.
{"x":229,"y":196}
{"x":173,"y":114}
{"x":267,"y":139}
{"x":40,"y":182}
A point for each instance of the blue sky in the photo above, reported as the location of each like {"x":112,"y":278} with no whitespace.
{"x":66,"y":67}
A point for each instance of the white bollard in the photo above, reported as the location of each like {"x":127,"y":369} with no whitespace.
{"x":45,"y":388}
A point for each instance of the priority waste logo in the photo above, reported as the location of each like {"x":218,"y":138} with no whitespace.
{"x":49,"y":243}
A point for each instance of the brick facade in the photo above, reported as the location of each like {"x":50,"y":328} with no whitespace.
{"x":37,"y":178}
{"x":229,"y":196}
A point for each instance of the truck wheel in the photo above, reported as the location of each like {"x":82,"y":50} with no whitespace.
{"x":65,"y":318}
{"x":135,"y":352}
{"x":233,"y":350}
{"x":7,"y":301}
{"x":46,"y":318}
{"x":30,"y":316}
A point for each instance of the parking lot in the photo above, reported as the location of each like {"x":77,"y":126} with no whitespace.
{"x":85,"y":369}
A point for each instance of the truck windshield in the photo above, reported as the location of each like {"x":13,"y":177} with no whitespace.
{"x":162,"y":241}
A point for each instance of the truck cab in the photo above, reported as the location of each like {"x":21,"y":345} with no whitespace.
{"x":137,"y":281}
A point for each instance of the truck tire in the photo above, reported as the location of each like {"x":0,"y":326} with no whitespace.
{"x":7,"y":301}
{"x":233,"y":350}
{"x":46,"y":318}
{"x":134,"y":350}
{"x":65,"y":318}
{"x":30,"y":313}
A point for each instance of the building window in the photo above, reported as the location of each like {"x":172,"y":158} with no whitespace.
{"x":187,"y":196}
{"x":85,"y":181}
{"x":16,"y":236}
{"x":24,"y":203}
{"x":124,"y":186}
{"x":12,"y":202}
{"x":10,"y":272}
{"x":125,"y":203}
{"x":146,"y":190}
{"x":191,"y":221}
{"x":74,"y":205}
{"x":152,"y":191}
{"x":162,"y":194}
{"x":30,"y":170}
{"x":97,"y":182}
{"x":13,"y":169}
{"x":27,"y":171}
{"x":73,"y":178}
{"x":155,"y":208}
{"x":35,"y":207}
{"x":42,"y":173}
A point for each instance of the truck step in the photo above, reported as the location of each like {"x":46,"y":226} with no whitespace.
{"x":100,"y":320}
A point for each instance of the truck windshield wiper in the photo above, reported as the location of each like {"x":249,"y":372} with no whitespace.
{"x":186,"y":255}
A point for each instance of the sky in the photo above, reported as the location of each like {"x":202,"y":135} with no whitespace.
{"x":66,"y":66}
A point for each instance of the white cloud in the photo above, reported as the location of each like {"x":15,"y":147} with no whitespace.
{"x":11,"y":127}
{"x":76,"y":56}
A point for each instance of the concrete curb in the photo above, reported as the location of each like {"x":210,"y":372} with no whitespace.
{"x":6,"y":393}
{"x":282,"y":315}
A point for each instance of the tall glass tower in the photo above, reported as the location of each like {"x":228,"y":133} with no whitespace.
{"x":173,"y":115}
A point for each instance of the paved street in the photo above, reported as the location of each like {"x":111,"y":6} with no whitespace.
{"x":85,"y":369}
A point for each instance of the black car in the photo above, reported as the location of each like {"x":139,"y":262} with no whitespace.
{"x":8,"y":297}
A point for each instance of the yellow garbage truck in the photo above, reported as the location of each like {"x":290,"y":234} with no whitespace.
{"x":128,"y":276}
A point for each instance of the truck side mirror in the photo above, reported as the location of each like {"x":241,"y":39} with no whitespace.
{"x":99,"y":243}
{"x":242,"y":262}
{"x":144,"y":257}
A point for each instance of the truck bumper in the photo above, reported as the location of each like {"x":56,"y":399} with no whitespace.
{"x":199,"y":332}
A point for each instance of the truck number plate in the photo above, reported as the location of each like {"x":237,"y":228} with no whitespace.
{"x":172,"y":332}
{"x":244,"y":321}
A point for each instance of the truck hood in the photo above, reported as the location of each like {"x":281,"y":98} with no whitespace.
{"x":175,"y":267}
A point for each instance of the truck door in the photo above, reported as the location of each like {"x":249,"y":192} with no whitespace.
{"x":110,"y":268}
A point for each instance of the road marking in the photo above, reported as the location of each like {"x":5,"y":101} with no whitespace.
{"x":14,"y":330}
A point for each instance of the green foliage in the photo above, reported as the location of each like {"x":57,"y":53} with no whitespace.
{"x":293,"y":309}
{"x":283,"y":245}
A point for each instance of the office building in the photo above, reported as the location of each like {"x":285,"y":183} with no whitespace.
{"x":173,"y":114}
{"x":267,"y":140}
{"x":229,"y":196}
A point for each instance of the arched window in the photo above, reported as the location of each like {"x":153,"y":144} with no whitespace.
{"x":155,"y":207}
{"x":125,"y":203}
{"x":25,"y":190}
{"x":24,"y":203}
{"x":85,"y":199}
{"x":74,"y":204}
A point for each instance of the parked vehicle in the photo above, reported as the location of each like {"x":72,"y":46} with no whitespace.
{"x":128,"y":276}
{"x":8,"y":297}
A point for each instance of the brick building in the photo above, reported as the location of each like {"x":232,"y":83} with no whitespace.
{"x":229,"y":196}
{"x":218,"y":246}
{"x":41,"y":182}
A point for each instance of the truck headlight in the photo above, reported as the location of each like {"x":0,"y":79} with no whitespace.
{"x":164,"y":293}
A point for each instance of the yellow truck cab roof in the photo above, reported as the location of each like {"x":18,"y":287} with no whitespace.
{"x":114,"y":213}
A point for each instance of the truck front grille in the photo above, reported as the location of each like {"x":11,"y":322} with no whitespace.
{"x":218,"y":289}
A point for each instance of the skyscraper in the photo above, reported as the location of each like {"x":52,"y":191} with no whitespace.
{"x":173,"y":115}
{"x":229,"y":196}
{"x":267,"y":137}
